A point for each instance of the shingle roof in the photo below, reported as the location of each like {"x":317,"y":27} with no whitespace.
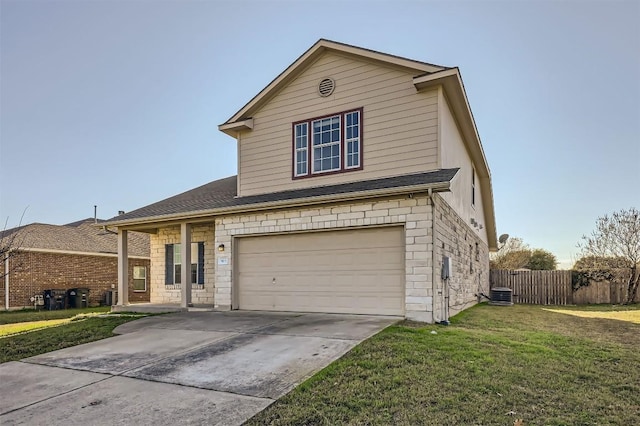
{"x":81,"y":236}
{"x":222,"y":193}
{"x":213,"y":194}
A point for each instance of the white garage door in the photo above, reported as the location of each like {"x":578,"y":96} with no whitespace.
{"x":353,"y":271}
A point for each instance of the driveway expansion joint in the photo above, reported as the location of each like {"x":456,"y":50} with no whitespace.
{"x":175,"y":354}
{"x":258,"y":333}
{"x":57,"y":395}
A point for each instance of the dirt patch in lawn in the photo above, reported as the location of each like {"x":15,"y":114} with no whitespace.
{"x":630,"y":316}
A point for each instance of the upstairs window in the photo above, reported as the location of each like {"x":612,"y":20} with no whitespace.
{"x":473,"y":187}
{"x":330,"y":144}
{"x":352,"y":140}
{"x":301,"y":149}
{"x":326,"y":144}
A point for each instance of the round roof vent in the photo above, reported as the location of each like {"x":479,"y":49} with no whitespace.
{"x":326,"y":87}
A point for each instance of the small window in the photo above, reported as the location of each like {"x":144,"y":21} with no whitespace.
{"x":352,"y":140}
{"x":477,"y":252}
{"x":470,"y":259}
{"x":473,"y":187}
{"x":177,"y":264}
{"x":139,"y":278}
{"x":301,"y":149}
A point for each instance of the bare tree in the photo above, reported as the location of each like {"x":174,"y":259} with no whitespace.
{"x":595,"y":262}
{"x":514,"y":254}
{"x":10,"y":242}
{"x":617,"y":236}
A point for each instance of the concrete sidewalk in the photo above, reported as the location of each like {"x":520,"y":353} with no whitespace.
{"x":184,"y":368}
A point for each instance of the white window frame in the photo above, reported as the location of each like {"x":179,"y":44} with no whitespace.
{"x":328,"y":145}
{"x":302,"y":149}
{"x":177,"y":254}
{"x":137,"y":277}
{"x":354,"y":140}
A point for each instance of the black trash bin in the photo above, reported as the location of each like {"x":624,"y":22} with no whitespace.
{"x":78,"y":297}
{"x":55,"y":299}
{"x":71,"y":297}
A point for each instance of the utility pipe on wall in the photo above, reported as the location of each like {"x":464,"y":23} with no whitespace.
{"x":6,"y":281}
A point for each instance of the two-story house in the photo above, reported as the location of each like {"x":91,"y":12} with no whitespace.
{"x":362,"y":188}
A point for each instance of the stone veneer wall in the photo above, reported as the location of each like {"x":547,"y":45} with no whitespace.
{"x":415,"y":213}
{"x":424,"y":301}
{"x":200,"y":294}
{"x":470,"y":260}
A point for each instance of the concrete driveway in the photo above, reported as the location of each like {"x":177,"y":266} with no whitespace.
{"x":186,"y":368}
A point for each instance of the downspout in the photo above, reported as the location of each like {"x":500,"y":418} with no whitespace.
{"x":6,"y":281}
{"x":239,"y":140}
{"x":433,"y":253}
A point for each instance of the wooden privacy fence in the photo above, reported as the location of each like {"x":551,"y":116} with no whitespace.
{"x":555,"y":288}
{"x":536,"y":287}
{"x":613,"y":291}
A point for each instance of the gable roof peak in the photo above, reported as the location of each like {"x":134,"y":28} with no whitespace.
{"x":337,"y":45}
{"x":320,"y":47}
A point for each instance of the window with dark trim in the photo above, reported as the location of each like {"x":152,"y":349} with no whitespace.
{"x":473,"y":187}
{"x":328,"y":144}
{"x":173,"y":264}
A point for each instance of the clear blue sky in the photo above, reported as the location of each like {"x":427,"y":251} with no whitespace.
{"x":116,"y":103}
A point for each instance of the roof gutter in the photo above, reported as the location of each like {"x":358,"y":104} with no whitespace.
{"x":80,"y":253}
{"x":298,"y":202}
{"x":6,"y":282}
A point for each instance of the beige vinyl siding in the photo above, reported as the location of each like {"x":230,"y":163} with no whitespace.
{"x":400,"y":126}
{"x":454,"y":153}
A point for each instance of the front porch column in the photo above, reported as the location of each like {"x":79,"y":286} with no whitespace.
{"x":185,"y":271}
{"x":123,"y":268}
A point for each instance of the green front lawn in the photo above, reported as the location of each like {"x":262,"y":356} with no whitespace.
{"x":62,"y":329}
{"x":11,"y":317}
{"x":492,"y":365}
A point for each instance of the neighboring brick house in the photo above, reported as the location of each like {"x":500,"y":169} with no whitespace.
{"x":76,"y":255}
{"x":362,"y":188}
